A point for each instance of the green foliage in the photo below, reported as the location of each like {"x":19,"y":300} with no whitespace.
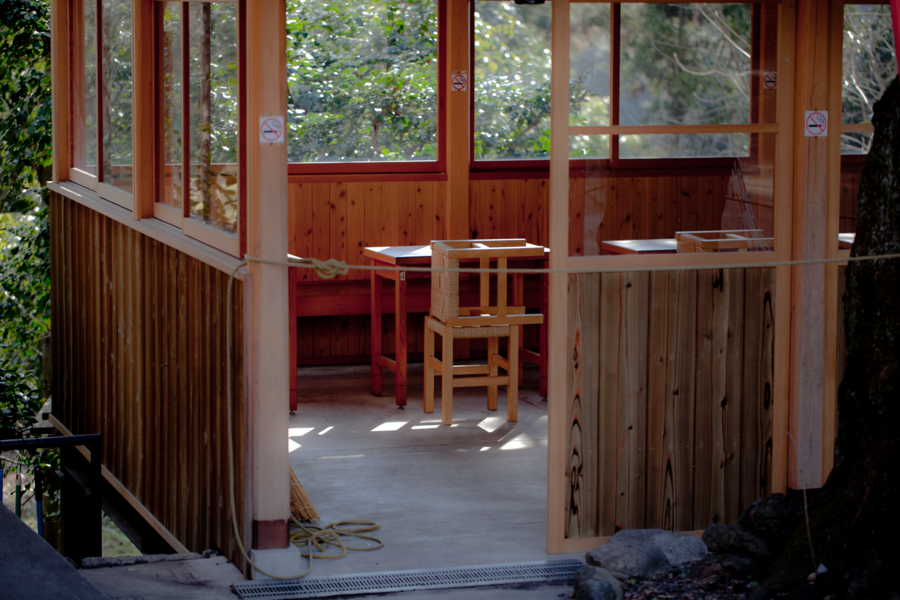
{"x":25,"y":160}
{"x":362,"y":80}
{"x":25,"y":155}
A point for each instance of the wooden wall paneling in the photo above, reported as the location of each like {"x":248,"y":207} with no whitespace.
{"x":390,"y":213}
{"x":848,"y":201}
{"x":477,"y":218}
{"x":657,"y":210}
{"x":523,"y":215}
{"x":608,"y":443}
{"x":595,"y":190}
{"x":424,"y":199}
{"x":688,"y":203}
{"x":440,"y":230}
{"x":682,"y":359}
{"x":672,"y":200}
{"x":374,"y":233}
{"x":623,"y":226}
{"x":338,"y":224}
{"x":576,"y":216}
{"x":321,"y":219}
{"x":632,"y":393}
{"x":606,"y":230}
{"x":406,"y":213}
{"x":582,"y":416}
{"x":707,"y":219}
{"x":731,"y":406}
{"x":304,"y":226}
{"x":356,"y":229}
{"x":511,"y":192}
{"x":642,"y":216}
{"x":660,"y":503}
{"x":493,"y":207}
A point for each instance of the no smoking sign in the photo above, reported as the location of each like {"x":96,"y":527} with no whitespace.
{"x":770,"y":80}
{"x":271,"y":130}
{"x":815,"y":123}
{"x":459,"y":81}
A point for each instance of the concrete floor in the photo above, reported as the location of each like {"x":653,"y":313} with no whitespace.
{"x":470,"y":494}
{"x":473,"y":493}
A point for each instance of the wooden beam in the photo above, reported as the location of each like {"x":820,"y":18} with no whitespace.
{"x":456,"y":216}
{"x":59,"y":89}
{"x":783,"y":230}
{"x":814,"y":237}
{"x":558,"y":286}
{"x":267,"y":238}
{"x":144,"y":137}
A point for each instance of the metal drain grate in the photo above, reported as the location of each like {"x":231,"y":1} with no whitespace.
{"x":402,"y":581}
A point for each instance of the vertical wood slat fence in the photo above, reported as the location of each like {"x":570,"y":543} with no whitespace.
{"x":669,"y":403}
{"x":140,"y":357}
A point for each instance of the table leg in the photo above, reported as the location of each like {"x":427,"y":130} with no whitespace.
{"x":376,"y":332}
{"x":400,"y":338}
{"x":292,"y":320}
{"x":545,"y":310}
{"x":519,"y":300}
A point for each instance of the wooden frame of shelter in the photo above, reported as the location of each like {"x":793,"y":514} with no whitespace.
{"x":139,"y":306}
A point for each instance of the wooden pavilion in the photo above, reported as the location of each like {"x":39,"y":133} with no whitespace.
{"x":676,"y":397}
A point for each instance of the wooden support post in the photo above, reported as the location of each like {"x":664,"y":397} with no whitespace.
{"x":143,"y":96}
{"x":59,"y":90}
{"x":783,"y":230}
{"x":558,"y":295}
{"x":456,"y":216}
{"x":814,"y":287}
{"x":267,"y":238}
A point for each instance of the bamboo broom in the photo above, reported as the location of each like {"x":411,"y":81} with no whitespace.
{"x":302,"y":508}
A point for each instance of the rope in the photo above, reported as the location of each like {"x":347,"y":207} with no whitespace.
{"x":328,"y":269}
{"x":330,"y":535}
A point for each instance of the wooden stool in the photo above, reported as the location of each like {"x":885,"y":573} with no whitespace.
{"x":452,"y":321}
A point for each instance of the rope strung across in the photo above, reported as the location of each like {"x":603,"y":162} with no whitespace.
{"x":330,"y":535}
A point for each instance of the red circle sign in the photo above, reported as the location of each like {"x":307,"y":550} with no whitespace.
{"x":270,"y":130}
{"x":459,"y":82}
{"x":816,"y":123}
{"x":770,"y":81}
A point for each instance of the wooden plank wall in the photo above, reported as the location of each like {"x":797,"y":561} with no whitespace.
{"x":669,"y":398}
{"x":140,"y":358}
{"x":849,"y":193}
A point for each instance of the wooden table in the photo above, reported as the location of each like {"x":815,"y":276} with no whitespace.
{"x":420,"y":256}
{"x":667,"y":246}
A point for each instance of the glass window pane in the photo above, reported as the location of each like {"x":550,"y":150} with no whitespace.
{"x":85,"y":121}
{"x":869,"y":61}
{"x":214,"y":114}
{"x":685,"y":145}
{"x":589,"y":62}
{"x":685,"y":64}
{"x":362,"y":80}
{"x":512,"y":80}
{"x":588,"y":146}
{"x":728,"y":208}
{"x":116,"y":93}
{"x":171,"y":191}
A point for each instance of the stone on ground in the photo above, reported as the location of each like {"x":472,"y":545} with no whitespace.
{"x":646,"y":552}
{"x":595,"y":583}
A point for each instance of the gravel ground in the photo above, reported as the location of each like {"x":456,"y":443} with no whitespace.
{"x":710,"y":583}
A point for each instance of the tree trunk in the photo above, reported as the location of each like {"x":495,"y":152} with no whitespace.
{"x":853,"y":519}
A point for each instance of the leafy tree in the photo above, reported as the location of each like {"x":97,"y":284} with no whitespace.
{"x":25,"y":162}
{"x":362,"y":80}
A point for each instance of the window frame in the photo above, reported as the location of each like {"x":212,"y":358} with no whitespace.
{"x":613,"y":162}
{"x":398,"y":167}
{"x":234,"y":244}
{"x":77,"y":135}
